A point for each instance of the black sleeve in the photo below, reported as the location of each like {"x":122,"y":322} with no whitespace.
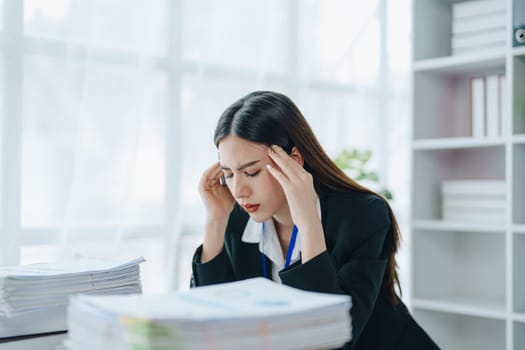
{"x":360,"y":273}
{"x":217,"y":270}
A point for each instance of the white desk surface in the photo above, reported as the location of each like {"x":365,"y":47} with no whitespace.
{"x":48,"y":342}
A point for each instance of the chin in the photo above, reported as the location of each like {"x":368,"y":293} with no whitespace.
{"x":259,"y":218}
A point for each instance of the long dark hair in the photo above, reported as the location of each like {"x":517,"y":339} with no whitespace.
{"x":271,"y":118}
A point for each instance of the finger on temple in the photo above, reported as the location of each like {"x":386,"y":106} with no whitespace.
{"x":278,"y":175}
{"x":283,"y":160}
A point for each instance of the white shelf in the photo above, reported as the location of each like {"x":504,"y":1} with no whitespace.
{"x":518,"y":51}
{"x":455,"y":142}
{"x":462,"y":64}
{"x":519,"y":229}
{"x":441,"y":225}
{"x":519,"y":316}
{"x":478,"y":307}
{"x":464,"y":274}
{"x":519,"y":139}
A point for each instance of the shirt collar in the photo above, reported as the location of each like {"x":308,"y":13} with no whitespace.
{"x":272,"y":247}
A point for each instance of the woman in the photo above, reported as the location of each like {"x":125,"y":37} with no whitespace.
{"x":288,"y":213}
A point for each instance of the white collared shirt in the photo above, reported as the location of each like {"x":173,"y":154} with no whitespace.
{"x":270,"y":245}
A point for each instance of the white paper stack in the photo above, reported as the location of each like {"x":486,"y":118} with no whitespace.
{"x":250,"y":314}
{"x":33,"y":298}
{"x":476,"y":201}
{"x":478,"y":25}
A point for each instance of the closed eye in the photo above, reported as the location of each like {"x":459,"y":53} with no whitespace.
{"x":252,"y":174}
{"x":230,"y":175}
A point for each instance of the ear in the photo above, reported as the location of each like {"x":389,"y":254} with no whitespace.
{"x":297,"y":156}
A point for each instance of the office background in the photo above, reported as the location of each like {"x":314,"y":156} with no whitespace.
{"x":108,"y":109}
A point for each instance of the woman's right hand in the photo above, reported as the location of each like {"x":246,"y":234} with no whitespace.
{"x":217,"y":198}
{"x":219,"y":203}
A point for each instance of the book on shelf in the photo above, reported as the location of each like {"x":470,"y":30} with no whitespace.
{"x":475,"y":24}
{"x":33,"y":298}
{"x":477,"y":107}
{"x":479,"y":50}
{"x":473,"y":207}
{"x":487,"y":106}
{"x":478,"y":26}
{"x":251,"y":314}
{"x":473,"y":188}
{"x":493,"y":105}
{"x":476,"y":201}
{"x":504,"y":106}
{"x":483,"y":212}
{"x":478,"y":40}
{"x":485,"y":218}
{"x":466,"y":9}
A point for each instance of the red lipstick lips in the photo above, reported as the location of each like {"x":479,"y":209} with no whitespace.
{"x":251,"y":208}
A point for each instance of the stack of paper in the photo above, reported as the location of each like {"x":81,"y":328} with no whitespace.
{"x":478,"y":25}
{"x":251,"y":314}
{"x":33,"y":298}
{"x":479,"y":201}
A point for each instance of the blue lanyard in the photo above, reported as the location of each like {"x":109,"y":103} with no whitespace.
{"x":288,"y":253}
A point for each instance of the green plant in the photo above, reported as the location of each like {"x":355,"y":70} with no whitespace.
{"x":353,"y":162}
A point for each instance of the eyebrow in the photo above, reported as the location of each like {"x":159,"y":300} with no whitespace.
{"x":242,"y":166}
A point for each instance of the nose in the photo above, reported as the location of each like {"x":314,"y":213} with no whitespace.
{"x":239,"y":188}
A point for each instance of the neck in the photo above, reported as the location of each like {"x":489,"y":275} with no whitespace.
{"x":283,"y":231}
{"x":284,"y":226}
{"x":283,"y":220}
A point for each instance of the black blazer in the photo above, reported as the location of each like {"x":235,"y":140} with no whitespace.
{"x":355,"y":226}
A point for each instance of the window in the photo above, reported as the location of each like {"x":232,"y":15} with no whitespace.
{"x":108,"y":111}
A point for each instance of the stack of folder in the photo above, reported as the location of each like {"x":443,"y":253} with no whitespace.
{"x":34,"y":298}
{"x":474,"y":201}
{"x":478,"y":25}
{"x":251,"y":314}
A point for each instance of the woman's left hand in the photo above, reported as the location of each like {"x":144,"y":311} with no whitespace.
{"x":300,"y":193}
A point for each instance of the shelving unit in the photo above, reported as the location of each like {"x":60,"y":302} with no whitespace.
{"x":456,"y":331}
{"x":468,"y":278}
{"x":441,"y":225}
